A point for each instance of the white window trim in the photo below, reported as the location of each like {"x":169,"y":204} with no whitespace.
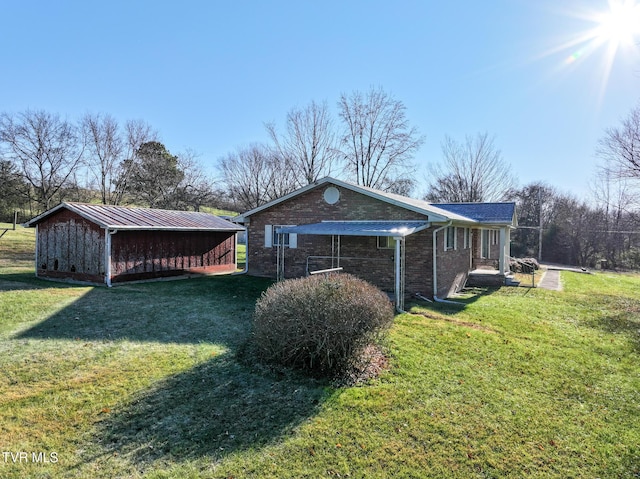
{"x":389,"y":245}
{"x":485,"y":243}
{"x":268,"y":236}
{"x":467,"y":238}
{"x":270,"y":233}
{"x":455,"y":238}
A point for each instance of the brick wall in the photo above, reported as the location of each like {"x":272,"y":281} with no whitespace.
{"x":453,"y":265}
{"x":361,"y":255}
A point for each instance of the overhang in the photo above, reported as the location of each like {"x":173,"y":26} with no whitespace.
{"x":357,"y":228}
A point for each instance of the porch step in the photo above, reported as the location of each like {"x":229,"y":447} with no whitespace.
{"x":485,"y":277}
{"x":511,"y":281}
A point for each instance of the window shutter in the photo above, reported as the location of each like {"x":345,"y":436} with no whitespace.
{"x":293,"y":240}
{"x":268,"y":236}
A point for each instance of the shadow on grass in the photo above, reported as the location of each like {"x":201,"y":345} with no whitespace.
{"x":625,"y":320}
{"x":210,"y":309}
{"x":23,"y":281}
{"x":210,"y":411}
{"x":456,"y":303}
{"x":226,"y":404}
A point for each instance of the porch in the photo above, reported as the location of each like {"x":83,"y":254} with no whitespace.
{"x":486,"y":277}
{"x":395,"y":231}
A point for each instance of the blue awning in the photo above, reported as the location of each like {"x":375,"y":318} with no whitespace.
{"x":357,"y":228}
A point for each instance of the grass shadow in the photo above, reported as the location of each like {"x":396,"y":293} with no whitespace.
{"x":226,"y":403}
{"x":455,"y":303}
{"x":23,"y":281}
{"x":212,"y":309}
{"x":212,"y":410}
{"x":625,"y":321}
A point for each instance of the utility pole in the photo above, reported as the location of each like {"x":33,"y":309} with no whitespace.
{"x":540,"y":225}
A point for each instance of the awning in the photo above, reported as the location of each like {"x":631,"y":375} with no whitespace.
{"x":357,"y":228}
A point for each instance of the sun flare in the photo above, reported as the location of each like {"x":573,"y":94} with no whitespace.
{"x":620,"y":26}
{"x":612,"y":32}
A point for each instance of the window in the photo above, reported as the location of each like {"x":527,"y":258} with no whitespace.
{"x":484,"y":252}
{"x":277,"y":237}
{"x":271,"y":238}
{"x":386,"y":242}
{"x":450,"y":238}
{"x":467,"y":238}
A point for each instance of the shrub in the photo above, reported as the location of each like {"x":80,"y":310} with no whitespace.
{"x":321,"y":324}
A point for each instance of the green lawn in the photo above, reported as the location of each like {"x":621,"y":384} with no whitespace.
{"x":153,"y":380}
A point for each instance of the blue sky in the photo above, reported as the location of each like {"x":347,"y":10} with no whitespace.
{"x":207,"y":75}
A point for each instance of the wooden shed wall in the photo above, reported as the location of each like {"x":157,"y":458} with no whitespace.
{"x":151,"y":254}
{"x":70,"y":247}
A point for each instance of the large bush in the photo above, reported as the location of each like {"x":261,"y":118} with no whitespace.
{"x":322,"y":324}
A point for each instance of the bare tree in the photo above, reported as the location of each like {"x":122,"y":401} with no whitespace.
{"x":471,"y":171}
{"x":574,"y":235}
{"x":253,"y":176}
{"x":615,"y":196}
{"x":377,"y":142}
{"x":105,"y":147}
{"x":620,"y":147}
{"x":136,"y":133}
{"x":45,"y":148}
{"x":197,"y":188}
{"x":13,"y":190}
{"x":308,"y":145}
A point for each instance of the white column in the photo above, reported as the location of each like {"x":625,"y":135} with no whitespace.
{"x":398,"y":287}
{"x":503,"y":262}
{"x":107,"y":257}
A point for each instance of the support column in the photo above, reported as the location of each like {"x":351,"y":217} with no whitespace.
{"x":107,"y":257}
{"x":504,"y":251}
{"x":399,"y":272}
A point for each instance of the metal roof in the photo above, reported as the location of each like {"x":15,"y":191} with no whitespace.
{"x":358,"y":228}
{"x":131,"y":218}
{"x":495,"y":213}
{"x":433,"y":212}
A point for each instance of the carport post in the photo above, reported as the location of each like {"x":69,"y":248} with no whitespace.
{"x":107,"y":257}
{"x":399,"y":293}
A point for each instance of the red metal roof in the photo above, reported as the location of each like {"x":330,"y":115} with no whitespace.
{"x":121,"y":217}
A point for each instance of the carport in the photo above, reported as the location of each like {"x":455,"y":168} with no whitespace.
{"x":398,"y":230}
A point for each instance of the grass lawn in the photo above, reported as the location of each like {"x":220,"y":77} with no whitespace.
{"x":152,"y":380}
{"x":528,"y":280}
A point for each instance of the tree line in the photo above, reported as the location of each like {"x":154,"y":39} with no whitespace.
{"x":604,"y":230}
{"x":45,"y":159}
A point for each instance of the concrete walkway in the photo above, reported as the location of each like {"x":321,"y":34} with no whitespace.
{"x":551,"y":280}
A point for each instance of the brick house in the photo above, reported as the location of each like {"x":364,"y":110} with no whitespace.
{"x":402,"y":245}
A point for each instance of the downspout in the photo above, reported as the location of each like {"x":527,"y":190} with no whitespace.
{"x":435,"y":267}
{"x":107,"y":254}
